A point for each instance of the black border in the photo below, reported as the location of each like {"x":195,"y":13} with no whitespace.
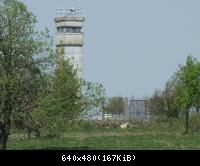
{"x":54,"y":157}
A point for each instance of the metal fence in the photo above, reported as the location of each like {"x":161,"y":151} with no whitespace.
{"x":134,"y":109}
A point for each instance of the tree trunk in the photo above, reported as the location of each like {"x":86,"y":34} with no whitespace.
{"x":5,"y":130}
{"x":187,"y":120}
{"x":6,"y":124}
{"x":1,"y":133}
{"x":197,"y":110}
{"x":4,"y":141}
{"x":29,"y":133}
{"x":37,"y":133}
{"x":177,"y":114}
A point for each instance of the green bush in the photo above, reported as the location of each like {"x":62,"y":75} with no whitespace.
{"x":195,"y":123}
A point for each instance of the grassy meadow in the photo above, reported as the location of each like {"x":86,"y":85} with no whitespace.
{"x":88,"y":136}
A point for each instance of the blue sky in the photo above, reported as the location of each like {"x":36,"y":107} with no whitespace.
{"x":131,"y":46}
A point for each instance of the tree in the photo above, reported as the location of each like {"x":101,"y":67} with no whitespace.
{"x":163,"y":103}
{"x":24,"y":56}
{"x":23,"y":118}
{"x":156,"y":104}
{"x":68,"y":98}
{"x":169,"y":94}
{"x":187,"y":82}
{"x":115,"y":105}
{"x":94,"y":95}
{"x":64,"y":102}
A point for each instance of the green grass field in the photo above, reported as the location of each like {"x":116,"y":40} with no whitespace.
{"x":148,"y":136}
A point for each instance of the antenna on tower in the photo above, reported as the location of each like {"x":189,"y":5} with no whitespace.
{"x":69,"y":12}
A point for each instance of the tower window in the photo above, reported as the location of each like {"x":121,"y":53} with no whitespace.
{"x":64,"y":29}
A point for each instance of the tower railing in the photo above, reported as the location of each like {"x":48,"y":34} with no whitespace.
{"x":72,"y":12}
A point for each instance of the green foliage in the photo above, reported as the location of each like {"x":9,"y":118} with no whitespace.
{"x":64,"y":100}
{"x":68,"y":97}
{"x":163,"y":103}
{"x":25,"y":56}
{"x":94,"y":95}
{"x":187,"y":82}
{"x":181,"y":94}
{"x":115,"y":105}
{"x":195,"y":123}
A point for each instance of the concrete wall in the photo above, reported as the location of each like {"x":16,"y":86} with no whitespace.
{"x":72,"y":42}
{"x":69,"y":39}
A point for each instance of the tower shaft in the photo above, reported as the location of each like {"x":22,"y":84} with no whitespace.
{"x":70,"y":37}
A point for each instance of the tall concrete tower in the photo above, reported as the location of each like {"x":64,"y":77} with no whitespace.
{"x":69,"y":35}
